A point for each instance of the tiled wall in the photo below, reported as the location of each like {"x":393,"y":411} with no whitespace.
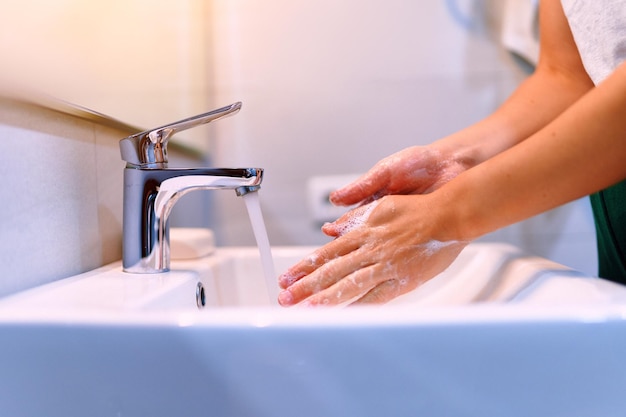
{"x":331,"y":87}
{"x":61,"y":199}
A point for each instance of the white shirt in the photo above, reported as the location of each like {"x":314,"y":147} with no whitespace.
{"x":599,"y":29}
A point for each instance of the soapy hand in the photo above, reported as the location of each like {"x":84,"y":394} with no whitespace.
{"x":384,"y":247}
{"x":414,"y":170}
{"x":382,"y":250}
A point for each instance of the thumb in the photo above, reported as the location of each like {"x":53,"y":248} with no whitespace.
{"x":353,"y":219}
{"x":330,"y":229}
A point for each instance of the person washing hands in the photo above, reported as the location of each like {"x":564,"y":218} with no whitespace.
{"x":560,"y":136}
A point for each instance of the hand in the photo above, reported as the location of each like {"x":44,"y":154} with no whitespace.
{"x":382,"y":250}
{"x":414,"y":170}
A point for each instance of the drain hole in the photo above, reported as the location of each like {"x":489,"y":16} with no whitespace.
{"x":200,"y":297}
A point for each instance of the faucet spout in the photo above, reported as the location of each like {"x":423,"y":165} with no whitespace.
{"x":150,"y":195}
{"x":241,"y":191}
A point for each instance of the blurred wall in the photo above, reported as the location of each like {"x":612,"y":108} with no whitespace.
{"x":143,"y":62}
{"x":331,"y":87}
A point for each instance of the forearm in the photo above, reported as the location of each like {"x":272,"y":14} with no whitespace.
{"x":582,"y":151}
{"x":529,"y":109}
{"x":559,"y":81}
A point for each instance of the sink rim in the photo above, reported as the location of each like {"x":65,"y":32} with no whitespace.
{"x":14,"y":309}
{"x":299,"y":317}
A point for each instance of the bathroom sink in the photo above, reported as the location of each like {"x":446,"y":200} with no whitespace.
{"x":498,"y":333}
{"x":232,"y":277}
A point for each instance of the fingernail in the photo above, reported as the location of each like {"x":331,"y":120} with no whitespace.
{"x":282,"y":282}
{"x":286,"y":280}
{"x":285,"y":298}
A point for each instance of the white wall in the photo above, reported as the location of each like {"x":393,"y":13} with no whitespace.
{"x":330,"y":87}
{"x":61,"y":204}
{"x":144,"y":62}
{"x":61,"y":211}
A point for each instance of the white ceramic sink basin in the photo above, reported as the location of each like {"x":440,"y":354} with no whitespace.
{"x":498,"y":333}
{"x":233,"y":277}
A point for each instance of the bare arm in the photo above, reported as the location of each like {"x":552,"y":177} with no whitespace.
{"x":558,"y":81}
{"x":582,"y":151}
{"x":555,"y":140}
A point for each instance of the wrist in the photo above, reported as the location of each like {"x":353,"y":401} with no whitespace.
{"x":457,"y":217}
{"x":453,"y":151}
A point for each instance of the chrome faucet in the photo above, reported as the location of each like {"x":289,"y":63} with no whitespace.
{"x":151,"y":189}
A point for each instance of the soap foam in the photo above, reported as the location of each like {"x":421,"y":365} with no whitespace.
{"x":360,"y":217}
{"x":434,"y":246}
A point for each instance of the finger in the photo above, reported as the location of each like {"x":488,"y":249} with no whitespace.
{"x":330,"y":229}
{"x":349,"y":221}
{"x":327,"y":276}
{"x":359,"y":190}
{"x":350,"y":287}
{"x":319,"y":257}
{"x":384,"y":292}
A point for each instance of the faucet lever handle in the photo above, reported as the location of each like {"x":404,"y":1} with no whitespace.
{"x":149,"y":148}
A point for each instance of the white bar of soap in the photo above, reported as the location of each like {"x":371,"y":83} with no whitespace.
{"x":191,"y":243}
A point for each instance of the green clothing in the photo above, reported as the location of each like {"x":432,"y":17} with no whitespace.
{"x":609,"y":212}
{"x":598,"y":28}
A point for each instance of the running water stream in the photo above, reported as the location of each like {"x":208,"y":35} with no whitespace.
{"x":260,"y":233}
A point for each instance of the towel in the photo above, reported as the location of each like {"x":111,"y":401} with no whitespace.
{"x":520,"y":29}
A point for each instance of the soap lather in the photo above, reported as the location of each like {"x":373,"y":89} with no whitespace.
{"x":151,"y":189}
